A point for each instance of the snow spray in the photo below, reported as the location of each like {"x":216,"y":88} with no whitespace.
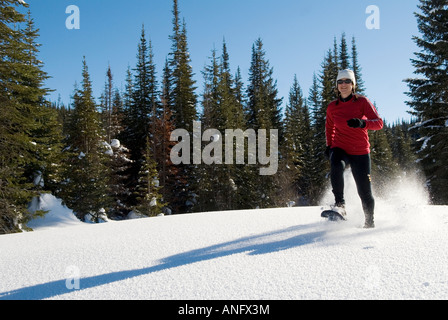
{"x":403,"y":200}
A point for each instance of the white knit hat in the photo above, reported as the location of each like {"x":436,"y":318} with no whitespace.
{"x":346,"y":74}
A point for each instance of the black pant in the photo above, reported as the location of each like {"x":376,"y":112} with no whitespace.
{"x":361,"y":167}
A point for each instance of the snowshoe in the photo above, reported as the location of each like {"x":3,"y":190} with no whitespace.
{"x":336,"y":213}
{"x":332,"y":215}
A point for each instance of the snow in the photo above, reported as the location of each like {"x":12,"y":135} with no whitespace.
{"x":115,"y":143}
{"x":58,"y":215}
{"x":108,"y":148}
{"x":285,"y":253}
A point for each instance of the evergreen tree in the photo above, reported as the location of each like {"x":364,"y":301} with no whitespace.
{"x":86,"y":185}
{"x":109,"y":111}
{"x":244,"y":176}
{"x":328,"y":77}
{"x":127,"y":97}
{"x":293,"y":122}
{"x":149,"y":198}
{"x":141,"y":101}
{"x":299,"y":149}
{"x":231,"y":105}
{"x":182,"y":93}
{"x":183,"y":102}
{"x":384,"y":166}
{"x":119,"y":164}
{"x":45,"y":135}
{"x":429,"y":95}
{"x":263,"y":105}
{"x":360,"y":87}
{"x":327,"y":95}
{"x":171,"y":182}
{"x":315,"y":103}
{"x":343,"y":54}
{"x":232,"y":113}
{"x":401,"y":143}
{"x":145,"y":96}
{"x":307,"y":188}
{"x":293,"y":155}
{"x":263,"y":112}
{"x":319,"y":163}
{"x":239,"y":93}
{"x":212,"y":118}
{"x":53,"y":130}
{"x":29,"y":132}
{"x":221,"y":110}
{"x":117,"y":115}
{"x":14,"y":194}
{"x":62,"y":114}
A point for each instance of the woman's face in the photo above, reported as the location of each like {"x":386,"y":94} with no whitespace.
{"x":345,"y":88}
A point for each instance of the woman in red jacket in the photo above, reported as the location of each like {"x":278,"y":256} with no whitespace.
{"x":348,"y":120}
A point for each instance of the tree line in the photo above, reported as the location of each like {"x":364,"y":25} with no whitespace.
{"x":108,"y":158}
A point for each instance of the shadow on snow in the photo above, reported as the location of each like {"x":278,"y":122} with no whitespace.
{"x":255,"y":245}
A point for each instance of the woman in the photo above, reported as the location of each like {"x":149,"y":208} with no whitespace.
{"x":348,"y":120}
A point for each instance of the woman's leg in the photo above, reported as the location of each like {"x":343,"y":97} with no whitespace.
{"x":361,"y":169}
{"x":338,"y":160}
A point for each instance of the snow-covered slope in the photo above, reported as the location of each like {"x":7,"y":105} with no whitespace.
{"x":288,"y":253}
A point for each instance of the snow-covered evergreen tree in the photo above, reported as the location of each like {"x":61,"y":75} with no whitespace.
{"x":429,"y":95}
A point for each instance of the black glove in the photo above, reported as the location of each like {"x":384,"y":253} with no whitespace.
{"x":357,"y":123}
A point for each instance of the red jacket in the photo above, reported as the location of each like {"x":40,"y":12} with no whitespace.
{"x":340,"y":135}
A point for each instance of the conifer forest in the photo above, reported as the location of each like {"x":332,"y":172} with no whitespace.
{"x":110,"y":156}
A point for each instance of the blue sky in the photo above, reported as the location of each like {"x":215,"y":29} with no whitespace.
{"x":296,"y":35}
